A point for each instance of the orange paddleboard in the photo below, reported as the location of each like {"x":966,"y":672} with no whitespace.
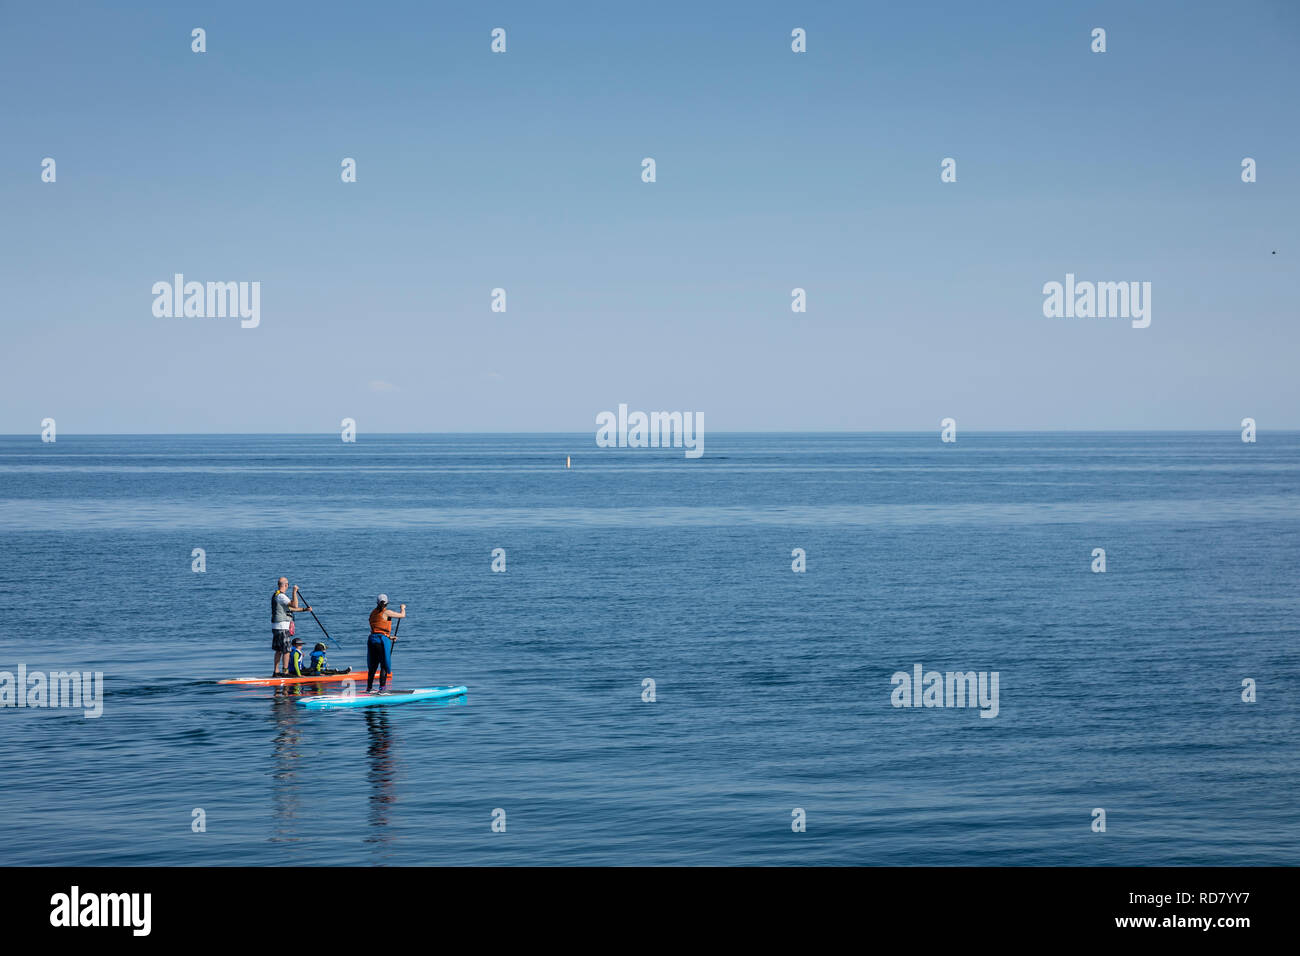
{"x":282,"y":681}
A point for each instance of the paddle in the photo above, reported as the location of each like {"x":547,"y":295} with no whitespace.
{"x":317,"y":620}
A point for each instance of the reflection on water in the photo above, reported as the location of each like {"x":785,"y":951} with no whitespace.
{"x":286,"y":747}
{"x":298,"y":745}
{"x":381,"y":773}
{"x":290,"y":744}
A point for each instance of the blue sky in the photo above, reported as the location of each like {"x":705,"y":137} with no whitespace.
{"x":522,"y":171}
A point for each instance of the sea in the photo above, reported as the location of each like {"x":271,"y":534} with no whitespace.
{"x":668,"y":660}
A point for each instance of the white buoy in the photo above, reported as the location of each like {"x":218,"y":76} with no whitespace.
{"x":568,"y":461}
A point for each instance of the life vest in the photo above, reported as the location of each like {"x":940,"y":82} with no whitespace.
{"x":279,"y":613}
{"x":295,"y":662}
{"x":317,"y":662}
{"x":380,"y":623}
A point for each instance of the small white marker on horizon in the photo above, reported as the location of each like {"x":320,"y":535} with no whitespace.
{"x":568,"y":461}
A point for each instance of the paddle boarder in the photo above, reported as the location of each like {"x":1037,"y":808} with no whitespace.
{"x":379,"y":647}
{"x":282,"y":611}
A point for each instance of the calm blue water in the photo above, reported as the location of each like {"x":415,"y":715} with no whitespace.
{"x":1118,"y":690}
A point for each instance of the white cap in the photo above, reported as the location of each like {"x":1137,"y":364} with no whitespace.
{"x":382,"y":599}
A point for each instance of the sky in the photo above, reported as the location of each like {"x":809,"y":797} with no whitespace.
{"x":522,"y":170}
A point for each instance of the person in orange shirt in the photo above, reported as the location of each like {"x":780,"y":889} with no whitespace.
{"x":379,"y":647}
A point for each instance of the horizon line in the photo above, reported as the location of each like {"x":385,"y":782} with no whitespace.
{"x":741,"y":431}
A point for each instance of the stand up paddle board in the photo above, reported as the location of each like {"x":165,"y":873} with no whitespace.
{"x":283,"y":681}
{"x":382,"y":700}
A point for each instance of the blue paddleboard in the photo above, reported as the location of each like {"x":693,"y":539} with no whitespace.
{"x":382,"y":700}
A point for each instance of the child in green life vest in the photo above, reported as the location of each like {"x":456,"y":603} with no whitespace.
{"x":317,"y":666}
